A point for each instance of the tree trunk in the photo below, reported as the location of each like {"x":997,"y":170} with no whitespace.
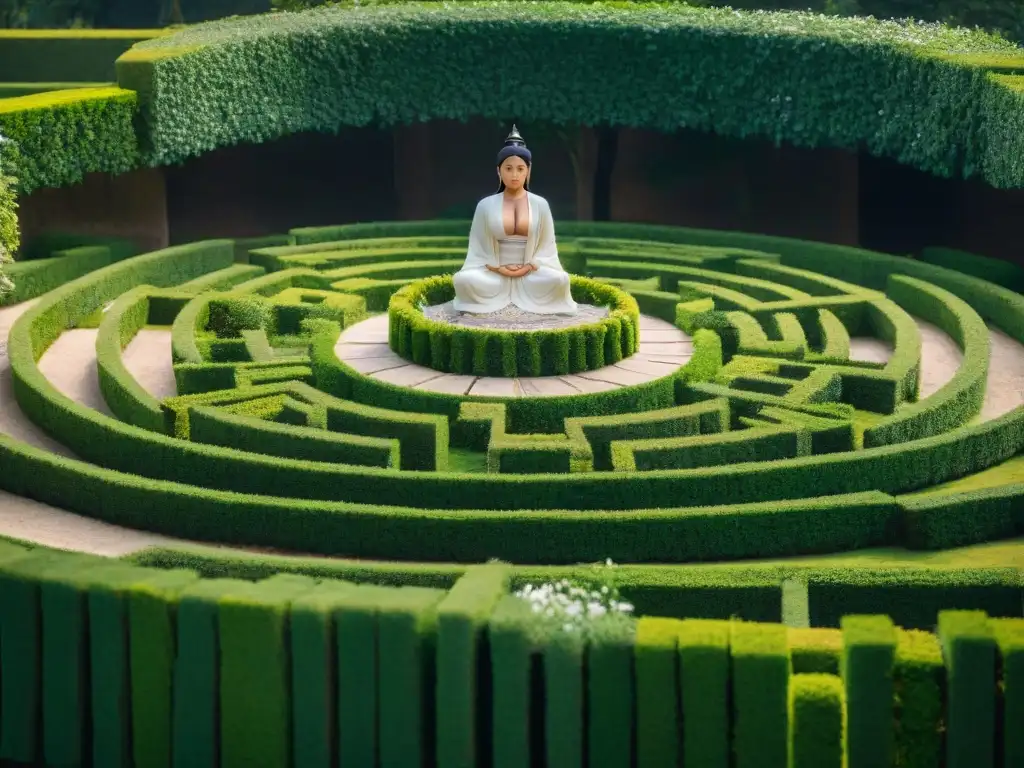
{"x":607,"y":151}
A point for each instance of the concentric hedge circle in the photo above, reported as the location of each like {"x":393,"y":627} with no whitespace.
{"x":487,"y":352}
{"x":754,"y":448}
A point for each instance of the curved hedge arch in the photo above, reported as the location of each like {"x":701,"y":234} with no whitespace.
{"x":921,"y":94}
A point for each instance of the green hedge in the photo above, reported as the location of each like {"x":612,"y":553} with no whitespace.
{"x":949,"y":455}
{"x":889,"y":92}
{"x":119,"y":446}
{"x":35,"y":277}
{"x":960,"y":399}
{"x":998,"y":271}
{"x":484,"y":352}
{"x":126,"y":398}
{"x":60,"y":56}
{"x":62,"y":135}
{"x":524,"y":415}
{"x":215,"y":427}
{"x":1003,"y":16}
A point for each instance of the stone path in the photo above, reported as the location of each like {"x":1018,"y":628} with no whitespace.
{"x":663,"y":349}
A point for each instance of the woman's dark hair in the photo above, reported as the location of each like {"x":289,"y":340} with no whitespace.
{"x":514,"y":147}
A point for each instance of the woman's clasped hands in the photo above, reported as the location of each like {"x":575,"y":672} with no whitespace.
{"x":514,"y":271}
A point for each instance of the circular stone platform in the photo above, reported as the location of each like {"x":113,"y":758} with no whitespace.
{"x":663,"y":349}
{"x":512,"y":318}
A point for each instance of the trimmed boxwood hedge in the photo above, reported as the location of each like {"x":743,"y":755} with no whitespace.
{"x":126,"y":398}
{"x":705,"y":69}
{"x":485,"y":352}
{"x":122,"y":662}
{"x":60,"y":136}
{"x":958,"y":401}
{"x":362,"y":493}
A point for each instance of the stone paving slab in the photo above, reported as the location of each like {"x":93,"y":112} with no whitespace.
{"x":449,"y":384}
{"x":369,"y":365}
{"x":647,"y":322}
{"x":616,"y":375}
{"x":407,"y":375}
{"x":665,"y":347}
{"x":355,"y":350}
{"x":588,"y":385}
{"x":639,"y":364}
{"x":487,"y":386}
{"x":546,"y":386}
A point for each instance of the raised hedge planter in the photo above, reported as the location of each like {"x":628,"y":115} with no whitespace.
{"x":488,"y":352}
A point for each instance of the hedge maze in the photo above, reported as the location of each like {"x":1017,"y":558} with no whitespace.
{"x":777,"y":436}
{"x":811,"y":495}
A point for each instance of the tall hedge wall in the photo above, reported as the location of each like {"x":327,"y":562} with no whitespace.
{"x":919,"y":93}
{"x":60,"y":136}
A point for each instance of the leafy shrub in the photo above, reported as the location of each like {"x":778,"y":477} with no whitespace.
{"x":485,"y":352}
{"x":230,"y":316}
{"x":62,"y":135}
{"x":916,"y":92}
{"x":10,"y":235}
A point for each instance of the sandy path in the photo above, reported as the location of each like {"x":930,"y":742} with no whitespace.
{"x":69,"y":364}
{"x":1005,"y":388}
{"x":148,"y":358}
{"x":30,"y":520}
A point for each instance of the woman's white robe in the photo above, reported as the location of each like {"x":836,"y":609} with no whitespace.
{"x":543,"y":291}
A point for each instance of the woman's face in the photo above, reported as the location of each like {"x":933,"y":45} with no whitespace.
{"x":514,"y":173}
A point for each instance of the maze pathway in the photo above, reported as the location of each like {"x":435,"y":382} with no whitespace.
{"x":29,"y":520}
{"x":70,"y":365}
{"x":1004,"y":389}
{"x":663,"y":349}
{"x":148,"y":357}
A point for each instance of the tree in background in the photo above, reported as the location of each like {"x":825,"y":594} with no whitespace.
{"x":10,"y":236}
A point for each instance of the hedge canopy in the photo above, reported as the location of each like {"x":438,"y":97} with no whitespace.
{"x":943,"y":100}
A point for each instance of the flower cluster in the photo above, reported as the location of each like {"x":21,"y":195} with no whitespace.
{"x":576,"y":607}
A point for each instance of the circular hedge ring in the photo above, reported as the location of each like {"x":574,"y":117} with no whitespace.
{"x":489,"y":352}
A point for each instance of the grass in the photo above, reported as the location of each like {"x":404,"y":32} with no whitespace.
{"x":466,"y":460}
{"x":1007,"y":473}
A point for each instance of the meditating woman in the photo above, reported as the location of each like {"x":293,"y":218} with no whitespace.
{"x":512,"y":257}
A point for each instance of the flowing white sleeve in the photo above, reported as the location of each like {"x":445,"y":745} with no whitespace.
{"x":481,"y":246}
{"x":546,"y":255}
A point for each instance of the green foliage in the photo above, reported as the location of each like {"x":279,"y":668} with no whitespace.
{"x":35,"y":277}
{"x":958,"y":401}
{"x":10,"y":233}
{"x":198,"y":76}
{"x":230,"y":316}
{"x":237,"y":667}
{"x":1000,"y":16}
{"x":482,"y":352}
{"x":61,"y":136}
{"x":816,"y":721}
{"x":122,"y":393}
{"x":58,"y":56}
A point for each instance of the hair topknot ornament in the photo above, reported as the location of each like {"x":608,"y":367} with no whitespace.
{"x":514,"y":147}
